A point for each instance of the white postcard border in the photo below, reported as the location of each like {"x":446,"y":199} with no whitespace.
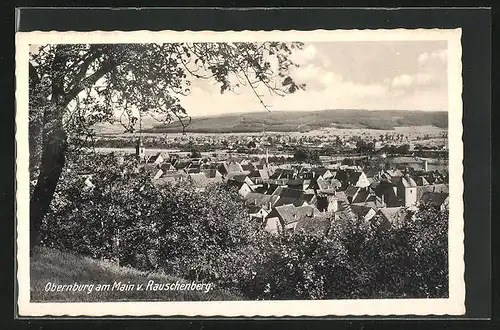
{"x":454,"y":305}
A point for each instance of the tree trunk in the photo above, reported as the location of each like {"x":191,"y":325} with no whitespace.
{"x":52,"y":164}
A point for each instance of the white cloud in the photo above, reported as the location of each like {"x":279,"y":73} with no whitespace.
{"x":403,"y":80}
{"x":327,"y":89}
{"x":330,"y":78}
{"x":304,"y":56}
{"x":418,"y":79}
{"x":440,"y":55}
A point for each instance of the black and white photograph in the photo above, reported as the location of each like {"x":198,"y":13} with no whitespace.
{"x":240,"y":173}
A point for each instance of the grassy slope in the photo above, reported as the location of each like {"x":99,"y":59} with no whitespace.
{"x":48,"y":265}
{"x":294,"y":121}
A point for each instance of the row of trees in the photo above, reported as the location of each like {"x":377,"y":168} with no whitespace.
{"x":209,"y":237}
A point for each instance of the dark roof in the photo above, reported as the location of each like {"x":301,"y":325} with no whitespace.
{"x":351,"y":191}
{"x":394,"y":173}
{"x":288,"y":192}
{"x":248,"y":167}
{"x":317,"y":226}
{"x":297,"y":201}
{"x":295,"y":182}
{"x":438,"y":188}
{"x":239,"y":177}
{"x":258,"y":199}
{"x":361,"y":196}
{"x":360,"y":210}
{"x":421,"y":181}
{"x":433,"y":198}
{"x":259,"y":174}
{"x":236,"y":184}
{"x":182,"y":163}
{"x":345,"y":214}
{"x":319,"y":170}
{"x":342,"y":175}
{"x":153,"y":158}
{"x":290,"y":214}
{"x":408,"y":182}
{"x":211,"y":172}
{"x":371,"y":171}
{"x":395,"y":215}
{"x":281,"y":173}
{"x":167,"y":167}
{"x":354,"y":177}
{"x":287,"y":213}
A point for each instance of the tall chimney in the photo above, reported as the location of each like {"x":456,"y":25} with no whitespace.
{"x":426,"y":167}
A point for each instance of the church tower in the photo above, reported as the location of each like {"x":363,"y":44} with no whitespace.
{"x":140,"y":150}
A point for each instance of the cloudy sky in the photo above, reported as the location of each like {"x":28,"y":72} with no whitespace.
{"x":403,"y":75}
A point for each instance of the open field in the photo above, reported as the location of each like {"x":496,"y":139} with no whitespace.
{"x":411,"y":131}
{"x":48,"y":265}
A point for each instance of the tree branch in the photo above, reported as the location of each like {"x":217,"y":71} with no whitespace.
{"x":106,"y":67}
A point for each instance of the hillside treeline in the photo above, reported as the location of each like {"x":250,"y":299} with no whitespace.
{"x":294,"y":121}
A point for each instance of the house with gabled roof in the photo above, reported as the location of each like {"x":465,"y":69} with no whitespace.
{"x":436,"y":188}
{"x":258,"y":176}
{"x":249,"y":167}
{"x":358,"y":179}
{"x":329,"y":186}
{"x":326,"y":203}
{"x":284,"y":218}
{"x":407,"y":191}
{"x":362,"y":211}
{"x":241,"y":187}
{"x":212,"y":173}
{"x":421,"y":181}
{"x":283,"y":174}
{"x":260,"y":200}
{"x":192,"y":170}
{"x":181,"y":164}
{"x":392,"y":216}
{"x":158,"y":158}
{"x":290,"y":196}
{"x":167,"y":167}
{"x":234,"y":167}
{"x":296,"y":183}
{"x":372,"y":173}
{"x":240,"y":177}
{"x":439,"y":200}
{"x":171,"y":178}
{"x":386,"y":192}
{"x":320,"y":172}
{"x":318,"y":225}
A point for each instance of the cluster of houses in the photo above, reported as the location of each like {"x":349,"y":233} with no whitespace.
{"x":302,"y":197}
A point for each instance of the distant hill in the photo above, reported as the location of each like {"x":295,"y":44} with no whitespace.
{"x":293,"y":121}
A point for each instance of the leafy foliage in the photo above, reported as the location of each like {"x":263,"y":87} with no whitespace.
{"x":306,"y":155}
{"x":208,"y":236}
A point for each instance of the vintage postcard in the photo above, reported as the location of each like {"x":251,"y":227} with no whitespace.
{"x":280,"y":173}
